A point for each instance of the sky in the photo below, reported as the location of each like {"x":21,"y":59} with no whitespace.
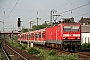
{"x":11,"y":10}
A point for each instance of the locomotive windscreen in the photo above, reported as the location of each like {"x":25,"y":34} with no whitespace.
{"x":71,"y":28}
{"x":75,"y":28}
{"x":67,"y":28}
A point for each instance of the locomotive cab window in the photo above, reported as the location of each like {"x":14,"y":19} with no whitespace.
{"x":67,"y":28}
{"x":75,"y":28}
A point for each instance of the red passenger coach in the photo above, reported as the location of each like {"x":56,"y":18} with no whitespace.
{"x":40,"y":36}
{"x":19,"y":37}
{"x":32,"y":36}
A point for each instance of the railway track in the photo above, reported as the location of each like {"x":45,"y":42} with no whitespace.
{"x":3,"y":54}
{"x":17,"y":54}
{"x":10,"y":53}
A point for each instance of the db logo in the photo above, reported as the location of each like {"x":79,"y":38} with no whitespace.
{"x":70,"y":34}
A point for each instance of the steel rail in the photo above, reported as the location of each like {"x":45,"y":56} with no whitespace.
{"x":5,"y":52}
{"x":17,"y":53}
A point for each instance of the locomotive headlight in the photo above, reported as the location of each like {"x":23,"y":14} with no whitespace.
{"x":78,"y":38}
{"x":76,"y":34}
{"x":65,"y":34}
{"x":64,"y":38}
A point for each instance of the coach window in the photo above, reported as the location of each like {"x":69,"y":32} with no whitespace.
{"x":21,"y":36}
{"x":35,"y":35}
{"x":32,"y":36}
{"x":25,"y":35}
{"x":29,"y":35}
{"x":39,"y":35}
{"x":43,"y":35}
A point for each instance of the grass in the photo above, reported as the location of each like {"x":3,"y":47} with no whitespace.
{"x":44,"y":54}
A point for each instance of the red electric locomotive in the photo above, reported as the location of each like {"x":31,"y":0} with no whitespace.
{"x":64,"y":36}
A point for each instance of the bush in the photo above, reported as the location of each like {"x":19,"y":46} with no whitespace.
{"x":84,"y":45}
{"x":69,"y":57}
{"x":23,"y":47}
{"x":88,"y":45}
{"x":53,"y":58}
{"x":33,"y":51}
{"x":52,"y":52}
{"x":42,"y":55}
{"x":19,"y":45}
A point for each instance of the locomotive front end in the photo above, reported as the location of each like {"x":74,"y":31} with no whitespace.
{"x":71,"y":36}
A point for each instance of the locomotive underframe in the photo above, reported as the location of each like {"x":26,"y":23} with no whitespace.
{"x":71,"y":44}
{"x":64,"y":44}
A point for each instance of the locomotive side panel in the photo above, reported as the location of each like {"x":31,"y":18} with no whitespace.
{"x":51,"y":34}
{"x":60,"y":34}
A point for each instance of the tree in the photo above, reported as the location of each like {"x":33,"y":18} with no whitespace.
{"x":44,"y":25}
{"x":24,"y":30}
{"x":34,"y":27}
{"x":72,"y":19}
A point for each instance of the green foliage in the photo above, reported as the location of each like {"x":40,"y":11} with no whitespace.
{"x":72,"y":19}
{"x":33,"y":51}
{"x":53,"y":58}
{"x":44,"y":25}
{"x":20,"y":45}
{"x":43,"y":55}
{"x":15,"y":37}
{"x":52,"y":53}
{"x":23,"y":47}
{"x":34,"y":27}
{"x":86,"y":45}
{"x":24,"y":30}
{"x":70,"y":57}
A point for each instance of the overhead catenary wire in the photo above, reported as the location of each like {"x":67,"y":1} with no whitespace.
{"x":81,"y":14}
{"x":12,"y":9}
{"x":9,"y":4}
{"x":75,"y":8}
{"x":71,"y":9}
{"x":49,"y":17}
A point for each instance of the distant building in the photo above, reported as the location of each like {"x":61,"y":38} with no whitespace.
{"x":85,"y":29}
{"x":85,"y":21}
{"x":85,"y":34}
